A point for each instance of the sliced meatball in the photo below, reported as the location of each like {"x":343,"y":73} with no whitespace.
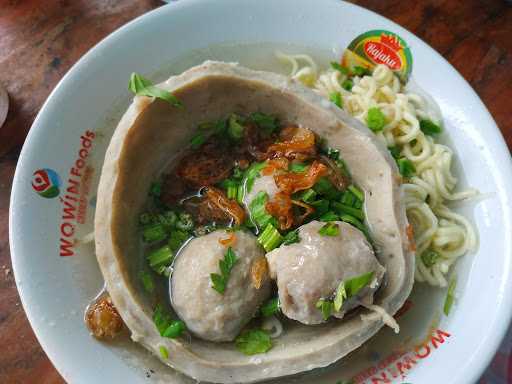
{"x":207,"y":313}
{"x":312,"y":269}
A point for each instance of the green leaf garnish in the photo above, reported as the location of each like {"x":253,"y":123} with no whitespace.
{"x":406,"y":167}
{"x":326,"y":307}
{"x":375,"y":119}
{"x":339,"y":67}
{"x":450,"y":296}
{"x":347,"y":85}
{"x":163,"y":352}
{"x":395,"y":152}
{"x":430,"y":257}
{"x":291,"y":237}
{"x":336,"y":98}
{"x":219,"y":282}
{"x":144,"y":87}
{"x":329,"y":229}
{"x":270,"y":308}
{"x":197,"y":140}
{"x":360,"y":71}
{"x":268,"y":124}
{"x":253,"y":341}
{"x":340,"y":296}
{"x":235,"y":129}
{"x":428,"y":127}
{"x":355,"y":284}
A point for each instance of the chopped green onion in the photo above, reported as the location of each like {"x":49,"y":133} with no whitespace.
{"x":324,"y":187}
{"x":258,"y":211}
{"x":160,"y":256}
{"x":353,"y":221}
{"x":219,"y":282}
{"x":177,"y":239}
{"x":347,"y":85}
{"x":253,"y":341}
{"x":154,"y":233}
{"x":147,"y":281}
{"x":291,"y":237}
{"x":232,"y":192}
{"x":406,"y":167}
{"x":155,"y":189}
{"x":345,"y":209}
{"x":298,"y":167}
{"x":144,"y":87}
{"x":375,"y":119}
{"x":163,"y":352}
{"x":430,"y":257}
{"x":321,"y":206}
{"x":251,"y":174}
{"x":168,"y":218}
{"x":197,"y":140}
{"x":270,"y":308}
{"x":308,"y":195}
{"x":235,"y":129}
{"x":339,"y":67}
{"x":355,"y":284}
{"x":175,"y":329}
{"x":360,"y":71}
{"x":268,"y":124}
{"x":357,"y":192}
{"x":450,"y":296}
{"x":348,"y":198}
{"x":220,"y":127}
{"x":206,"y":126}
{"x":326,"y":307}
{"x":333,"y":153}
{"x":161,"y":319}
{"x":340,"y":296}
{"x":238,"y":174}
{"x":240,"y":194}
{"x":336,"y":98}
{"x":395,"y":152}
{"x":329,"y":229}
{"x":328,"y":216}
{"x":270,"y":238}
{"x":185,"y":222}
{"x":428,"y":127}
{"x":358,"y":204}
{"x":145,"y":218}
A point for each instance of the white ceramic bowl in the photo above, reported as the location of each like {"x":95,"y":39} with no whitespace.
{"x":55,"y":290}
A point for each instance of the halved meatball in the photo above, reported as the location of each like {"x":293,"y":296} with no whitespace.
{"x":207,"y":313}
{"x":312,"y":269}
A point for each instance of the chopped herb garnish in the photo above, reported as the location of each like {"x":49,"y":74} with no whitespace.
{"x":406,"y":167}
{"x":355,"y":284}
{"x":147,"y":281}
{"x":347,"y":84}
{"x":144,"y":87}
{"x":360,"y":71}
{"x":326,"y":307}
{"x":219,"y":282}
{"x":330,"y":229}
{"x":251,"y":174}
{"x":270,"y":308}
{"x":168,"y":218}
{"x":145,"y":218}
{"x":333,"y":153}
{"x":340,"y":296}
{"x":298,"y":167}
{"x":355,"y":222}
{"x":259,"y":214}
{"x":336,"y":98}
{"x":346,"y":209}
{"x":160,"y":258}
{"x":357,"y":192}
{"x":155,"y":189}
{"x":308,"y":195}
{"x":395,"y":152}
{"x":197,"y":140}
{"x":339,"y":67}
{"x":270,"y":238}
{"x":291,"y":237}
{"x":450,"y":296}
{"x":430,"y":257}
{"x":154,"y":233}
{"x":375,"y":119}
{"x":268,"y":124}
{"x":324,"y":187}
{"x":253,"y":341}
{"x":161,"y":319}
{"x":321,"y":206}
{"x":235,"y":129}
{"x":348,"y":198}
{"x":177,"y":239}
{"x":164,"y":352}
{"x":428,"y":127}
{"x":185,"y":222}
{"x":328,"y":216}
{"x":174,"y":329}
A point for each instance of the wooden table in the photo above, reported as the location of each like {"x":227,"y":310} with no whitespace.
{"x":40,"y":40}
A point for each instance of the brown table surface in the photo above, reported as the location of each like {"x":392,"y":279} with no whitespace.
{"x":40,"y":40}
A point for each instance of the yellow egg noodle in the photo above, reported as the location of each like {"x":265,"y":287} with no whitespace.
{"x":436,"y":226}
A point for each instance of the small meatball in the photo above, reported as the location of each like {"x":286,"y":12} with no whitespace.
{"x":102,"y":319}
{"x":313,"y":268}
{"x":262,"y":183}
{"x":207,"y":313}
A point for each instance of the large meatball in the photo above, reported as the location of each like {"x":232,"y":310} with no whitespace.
{"x":312,"y":269}
{"x":207,"y":313}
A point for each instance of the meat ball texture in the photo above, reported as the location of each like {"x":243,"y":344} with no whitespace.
{"x":313,"y":268}
{"x":207,"y":313}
